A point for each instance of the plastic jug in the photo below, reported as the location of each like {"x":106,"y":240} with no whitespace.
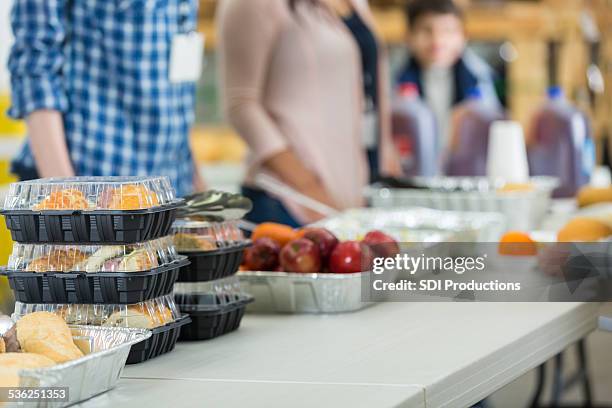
{"x":469,"y":141}
{"x":561,"y":144}
{"x":414,"y":133}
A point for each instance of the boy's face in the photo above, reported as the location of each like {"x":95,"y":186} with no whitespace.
{"x":437,"y":40}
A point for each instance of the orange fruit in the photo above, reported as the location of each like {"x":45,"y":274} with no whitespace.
{"x":584,"y":230}
{"x":68,"y":199}
{"x":278,"y":232}
{"x":128,"y":197}
{"x":515,"y":243}
{"x":299,"y":233}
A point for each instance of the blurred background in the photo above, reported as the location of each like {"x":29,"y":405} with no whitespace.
{"x":532,"y":44}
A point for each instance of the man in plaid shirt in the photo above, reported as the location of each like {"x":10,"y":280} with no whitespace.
{"x":91,"y":78}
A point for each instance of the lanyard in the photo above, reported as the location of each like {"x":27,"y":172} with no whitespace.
{"x":185,"y":8}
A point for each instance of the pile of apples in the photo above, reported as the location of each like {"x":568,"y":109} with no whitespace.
{"x":317,"y":250}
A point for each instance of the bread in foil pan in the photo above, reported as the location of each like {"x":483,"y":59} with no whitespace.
{"x":106,"y":350}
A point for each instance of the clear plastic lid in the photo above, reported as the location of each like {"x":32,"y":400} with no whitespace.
{"x":90,"y":193}
{"x":92,"y":258}
{"x":145,"y":315}
{"x":212,"y":295}
{"x":486,"y":185}
{"x":197,"y":236}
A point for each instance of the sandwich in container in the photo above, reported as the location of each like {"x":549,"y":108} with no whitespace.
{"x":131,"y":273}
{"x":214,"y":249}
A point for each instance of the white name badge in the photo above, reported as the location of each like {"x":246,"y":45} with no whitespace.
{"x":186,"y":57}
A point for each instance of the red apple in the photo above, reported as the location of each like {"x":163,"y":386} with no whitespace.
{"x":351,"y":257}
{"x":383,"y":245}
{"x":301,"y":255}
{"x":262,"y":256}
{"x":325,"y":240}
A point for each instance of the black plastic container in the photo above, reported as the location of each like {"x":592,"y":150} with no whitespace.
{"x":208,"y":324}
{"x":91,"y":227}
{"x":93,"y":288}
{"x":212,"y":265}
{"x":162,"y":341}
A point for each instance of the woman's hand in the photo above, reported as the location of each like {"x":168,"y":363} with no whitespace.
{"x":316,"y":191}
{"x":287,"y":166}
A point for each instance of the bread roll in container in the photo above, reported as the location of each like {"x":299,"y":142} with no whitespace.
{"x":90,"y":209}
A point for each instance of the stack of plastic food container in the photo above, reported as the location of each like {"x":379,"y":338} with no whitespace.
{"x":96,"y":251}
{"x":206,"y":288}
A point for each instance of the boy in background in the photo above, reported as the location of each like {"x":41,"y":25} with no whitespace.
{"x":439,"y":62}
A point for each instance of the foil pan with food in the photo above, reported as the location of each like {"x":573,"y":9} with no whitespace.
{"x":315,"y":269}
{"x":105,"y":210}
{"x":215,"y":308}
{"x":214,"y":249}
{"x":41,"y":350}
{"x":92,"y":273}
{"x":160,"y":316}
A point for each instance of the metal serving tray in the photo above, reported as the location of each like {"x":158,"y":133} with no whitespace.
{"x":524,"y":210}
{"x":285,"y":292}
{"x":106,"y":351}
{"x":282,"y":292}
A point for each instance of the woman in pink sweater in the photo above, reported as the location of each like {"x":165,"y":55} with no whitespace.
{"x":297,"y":86}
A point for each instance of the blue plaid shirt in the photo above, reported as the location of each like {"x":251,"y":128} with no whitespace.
{"x":104,"y":65}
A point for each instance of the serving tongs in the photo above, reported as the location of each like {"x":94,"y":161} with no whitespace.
{"x":215,"y":206}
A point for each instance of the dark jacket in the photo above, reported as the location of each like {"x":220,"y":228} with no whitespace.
{"x":470,"y":71}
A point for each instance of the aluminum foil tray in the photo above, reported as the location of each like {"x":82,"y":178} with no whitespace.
{"x":282,"y":292}
{"x":523,"y":209}
{"x":106,"y":350}
{"x":418,"y":225}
